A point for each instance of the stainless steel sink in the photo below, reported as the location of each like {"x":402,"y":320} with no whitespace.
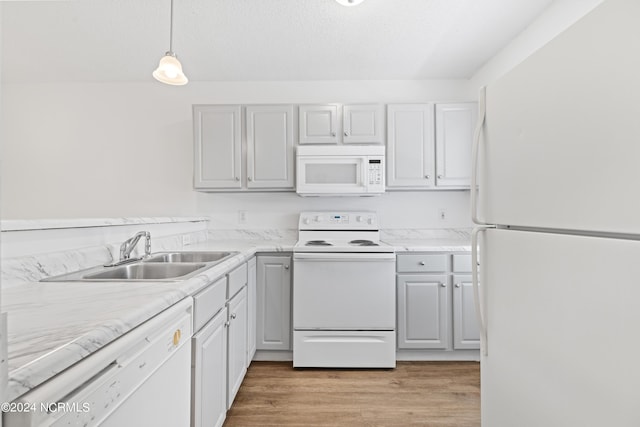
{"x":178,"y":257}
{"x":161,"y":266}
{"x":144,"y":271}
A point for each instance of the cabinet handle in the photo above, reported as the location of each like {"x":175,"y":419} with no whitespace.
{"x":226,"y":324}
{"x":458,"y":285}
{"x":237,"y":179}
{"x":346,"y":133}
{"x":233,"y":315}
{"x":428,"y":176}
{"x":333,"y":134}
{"x":439,"y":176}
{"x":421,"y":263}
{"x":249,"y":179}
{"x":286,"y":267}
{"x":444,"y":285}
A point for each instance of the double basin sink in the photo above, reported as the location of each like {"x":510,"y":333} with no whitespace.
{"x":162,"y":266}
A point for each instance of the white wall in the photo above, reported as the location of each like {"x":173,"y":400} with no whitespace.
{"x":560,"y":15}
{"x":396,"y":209}
{"x":112,"y":150}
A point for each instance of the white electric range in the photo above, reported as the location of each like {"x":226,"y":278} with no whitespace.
{"x":344,"y":305}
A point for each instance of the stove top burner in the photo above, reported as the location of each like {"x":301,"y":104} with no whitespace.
{"x":318,"y":243}
{"x":361,"y":242}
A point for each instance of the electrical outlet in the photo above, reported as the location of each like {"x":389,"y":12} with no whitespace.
{"x":186,"y":240}
{"x":242,"y":217}
{"x":442,"y":214}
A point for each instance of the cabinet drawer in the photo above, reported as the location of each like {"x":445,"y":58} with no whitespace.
{"x":208,"y":302}
{"x":419,"y":263}
{"x":462,"y":263}
{"x":237,"y":279}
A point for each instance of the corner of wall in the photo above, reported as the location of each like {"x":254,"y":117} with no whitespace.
{"x":559,"y":16}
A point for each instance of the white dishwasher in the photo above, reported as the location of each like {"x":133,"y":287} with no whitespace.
{"x":141,"y":379}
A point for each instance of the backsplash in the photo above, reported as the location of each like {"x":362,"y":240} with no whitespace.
{"x":253,"y":234}
{"x":31,"y":254}
{"x":33,"y":266}
{"x":463,"y":234}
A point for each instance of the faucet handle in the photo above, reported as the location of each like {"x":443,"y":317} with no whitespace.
{"x":147,"y":244}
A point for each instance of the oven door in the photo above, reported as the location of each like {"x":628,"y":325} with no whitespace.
{"x":344,"y":291}
{"x":335,"y":175}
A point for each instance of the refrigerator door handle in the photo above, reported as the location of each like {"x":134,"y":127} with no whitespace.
{"x":482,"y":110}
{"x":479,"y":306}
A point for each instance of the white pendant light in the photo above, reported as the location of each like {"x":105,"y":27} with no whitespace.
{"x":349,"y":2}
{"x":169,"y":69}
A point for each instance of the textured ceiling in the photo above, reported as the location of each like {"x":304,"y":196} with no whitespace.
{"x":122,"y":40}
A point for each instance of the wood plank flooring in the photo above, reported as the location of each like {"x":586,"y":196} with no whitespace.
{"x":434,"y":394}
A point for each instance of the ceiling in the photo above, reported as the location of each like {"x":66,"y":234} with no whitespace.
{"x":244,"y":40}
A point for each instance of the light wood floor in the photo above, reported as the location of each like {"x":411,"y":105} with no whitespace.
{"x":434,"y":394}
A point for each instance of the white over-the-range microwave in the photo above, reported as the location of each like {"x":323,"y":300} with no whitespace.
{"x":340,"y":170}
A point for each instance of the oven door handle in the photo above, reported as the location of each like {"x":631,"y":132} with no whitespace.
{"x":344,"y":257}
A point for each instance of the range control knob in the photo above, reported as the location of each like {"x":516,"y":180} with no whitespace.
{"x":306,"y":221}
{"x":318,"y":218}
{"x":370,"y":220}
{"x":359,"y":218}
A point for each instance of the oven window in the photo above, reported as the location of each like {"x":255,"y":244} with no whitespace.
{"x":331,"y":173}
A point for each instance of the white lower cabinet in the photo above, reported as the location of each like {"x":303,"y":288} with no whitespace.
{"x":251,"y":306}
{"x":237,"y":344}
{"x":220,"y":347}
{"x":273,"y":327}
{"x":466,"y":334}
{"x":423,"y":311}
{"x":209,"y":367}
{"x":209,"y":356}
{"x":436,"y":308}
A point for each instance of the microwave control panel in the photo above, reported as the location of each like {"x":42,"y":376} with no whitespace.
{"x":375,"y":172}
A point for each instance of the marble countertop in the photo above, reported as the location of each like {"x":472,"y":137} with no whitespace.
{"x":46,"y":224}
{"x":430,"y":245}
{"x":52,"y":325}
{"x":438,"y":240}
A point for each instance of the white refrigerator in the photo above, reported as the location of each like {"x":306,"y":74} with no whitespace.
{"x":558,"y":214}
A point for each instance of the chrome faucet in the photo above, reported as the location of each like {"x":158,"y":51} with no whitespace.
{"x":127,"y":247}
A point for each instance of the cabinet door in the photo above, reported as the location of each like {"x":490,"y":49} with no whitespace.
{"x":209,"y":373}
{"x":251,"y":307}
{"x":454,"y":135}
{"x":423,"y":311}
{"x":465,"y":327}
{"x":217,"y":147}
{"x":274,"y":303}
{"x":318,"y":124}
{"x":410,"y":146}
{"x":362,"y":123}
{"x":269,"y":146}
{"x":237,"y":344}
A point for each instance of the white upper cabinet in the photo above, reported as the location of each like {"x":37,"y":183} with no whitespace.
{"x":318,"y":124}
{"x":455,"y":124}
{"x":218,"y":146}
{"x":270,"y":146}
{"x":410,"y":146}
{"x":228,"y":159}
{"x":362,"y":123}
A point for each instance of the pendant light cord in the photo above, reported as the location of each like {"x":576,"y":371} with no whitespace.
{"x":171,"y":29}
